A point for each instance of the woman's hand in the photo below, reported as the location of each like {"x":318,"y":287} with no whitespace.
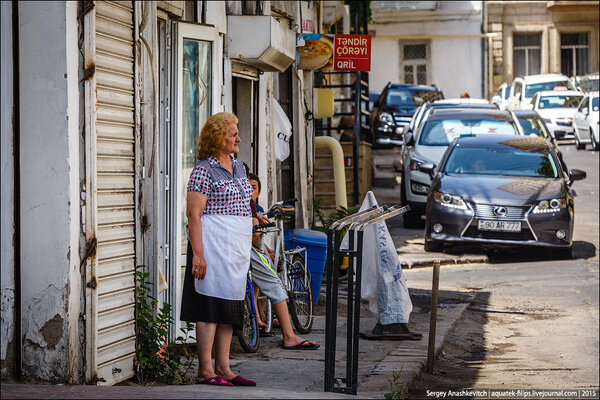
{"x":199,"y":267}
{"x":196,"y":202}
{"x":262,"y":219}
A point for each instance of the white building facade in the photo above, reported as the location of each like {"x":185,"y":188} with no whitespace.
{"x":101,"y":104}
{"x":439,"y":43}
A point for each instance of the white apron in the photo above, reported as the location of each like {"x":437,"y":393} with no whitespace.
{"x":227,"y":241}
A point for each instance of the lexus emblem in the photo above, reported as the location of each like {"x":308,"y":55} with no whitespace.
{"x":500,"y":211}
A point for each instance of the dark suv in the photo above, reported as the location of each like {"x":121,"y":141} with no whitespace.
{"x":394,"y":109}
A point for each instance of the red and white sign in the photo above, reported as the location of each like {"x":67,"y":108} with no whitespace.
{"x":352,"y":53}
{"x":307,"y":26}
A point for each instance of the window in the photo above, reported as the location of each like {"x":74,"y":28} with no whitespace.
{"x":517,"y":89}
{"x":533,"y":88}
{"x":527,"y":53}
{"x":414,"y":64}
{"x":559,"y":101}
{"x":574,"y":54}
{"x":583,"y":104}
{"x":533,"y":125}
{"x":443,"y":132}
{"x":504,"y":161}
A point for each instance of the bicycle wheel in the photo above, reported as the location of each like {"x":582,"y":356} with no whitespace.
{"x":300,"y":302}
{"x":248,"y":335}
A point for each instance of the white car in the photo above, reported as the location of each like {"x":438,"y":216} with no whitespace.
{"x":557,"y":108}
{"x":523,"y":88}
{"x":585,"y":122}
{"x":501,"y":96}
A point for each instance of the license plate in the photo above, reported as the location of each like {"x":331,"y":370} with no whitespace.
{"x":499,"y":226}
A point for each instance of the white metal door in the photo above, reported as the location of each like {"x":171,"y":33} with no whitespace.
{"x":197,"y":70}
{"x":110,"y":192}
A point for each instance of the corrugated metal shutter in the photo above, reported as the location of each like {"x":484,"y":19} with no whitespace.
{"x":111,"y":205}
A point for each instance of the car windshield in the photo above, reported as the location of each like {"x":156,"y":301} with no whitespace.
{"x":532,"y":89}
{"x":533,"y":125}
{"x":506,"y":92}
{"x":595,"y":104}
{"x":559,"y":101}
{"x":443,"y":132}
{"x":509,"y":160}
{"x":407,"y":97}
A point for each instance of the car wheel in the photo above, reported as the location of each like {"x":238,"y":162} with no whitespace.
{"x":595,"y":145}
{"x":564,"y":253}
{"x":578,"y":144}
{"x":434,"y":246}
{"x":410,"y":219}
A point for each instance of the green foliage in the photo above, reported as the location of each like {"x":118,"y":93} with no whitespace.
{"x":327,"y":221}
{"x":157,"y":360}
{"x":394,"y":387}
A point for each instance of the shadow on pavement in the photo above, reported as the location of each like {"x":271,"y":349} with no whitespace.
{"x":498,"y":255}
{"x":511,"y":254}
{"x":457,"y":366}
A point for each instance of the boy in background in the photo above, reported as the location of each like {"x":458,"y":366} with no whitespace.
{"x":255,"y":182}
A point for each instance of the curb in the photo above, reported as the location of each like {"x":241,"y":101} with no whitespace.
{"x":413,"y":362}
{"x":445,"y":261}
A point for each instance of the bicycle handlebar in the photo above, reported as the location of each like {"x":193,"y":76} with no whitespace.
{"x":284,"y":202}
{"x":258,"y":227}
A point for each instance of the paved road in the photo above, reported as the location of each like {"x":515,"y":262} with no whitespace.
{"x":540,"y":316}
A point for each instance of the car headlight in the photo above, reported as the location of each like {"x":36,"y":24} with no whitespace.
{"x":549,"y":206}
{"x":548,"y":120}
{"x":450,"y":201}
{"x":386,"y":118}
{"x":418,"y":188}
{"x":415,"y":162}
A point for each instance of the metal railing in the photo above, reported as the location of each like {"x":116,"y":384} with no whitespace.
{"x":356,"y":223}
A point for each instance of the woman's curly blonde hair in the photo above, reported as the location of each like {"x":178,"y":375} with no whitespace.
{"x":211,"y":136}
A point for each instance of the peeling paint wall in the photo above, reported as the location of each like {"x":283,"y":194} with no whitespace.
{"x":50,"y":221}
{"x":7,"y":254}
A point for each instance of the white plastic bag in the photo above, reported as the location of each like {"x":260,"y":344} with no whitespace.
{"x":283,"y":132}
{"x":382,"y":282}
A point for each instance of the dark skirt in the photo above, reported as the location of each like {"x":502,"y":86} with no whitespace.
{"x":196,"y":307}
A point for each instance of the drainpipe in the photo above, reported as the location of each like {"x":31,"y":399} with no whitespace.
{"x":339,"y":174}
{"x":17,"y":191}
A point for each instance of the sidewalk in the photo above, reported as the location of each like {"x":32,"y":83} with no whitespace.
{"x":300,"y":374}
{"x":284,"y":373}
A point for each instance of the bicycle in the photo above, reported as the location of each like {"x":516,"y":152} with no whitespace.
{"x":248,"y":335}
{"x":294,"y":274}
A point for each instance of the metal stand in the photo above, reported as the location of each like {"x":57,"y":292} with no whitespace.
{"x":357,"y":224}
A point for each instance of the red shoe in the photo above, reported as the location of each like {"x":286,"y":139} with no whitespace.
{"x":241,"y":381}
{"x":217,"y":381}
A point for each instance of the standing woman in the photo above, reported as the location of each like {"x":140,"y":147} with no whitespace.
{"x":218,"y":255}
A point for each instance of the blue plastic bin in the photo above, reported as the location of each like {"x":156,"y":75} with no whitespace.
{"x":316,"y":252}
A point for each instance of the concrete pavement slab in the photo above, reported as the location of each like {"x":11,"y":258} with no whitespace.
{"x":284,"y":373}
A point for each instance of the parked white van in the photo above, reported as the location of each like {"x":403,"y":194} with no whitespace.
{"x":523,"y":88}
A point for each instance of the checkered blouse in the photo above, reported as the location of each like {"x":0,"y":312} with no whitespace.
{"x":227,"y":195}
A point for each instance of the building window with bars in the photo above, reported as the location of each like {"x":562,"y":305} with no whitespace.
{"x":414,"y":62}
{"x":527,"y":53}
{"x":574,"y":53}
